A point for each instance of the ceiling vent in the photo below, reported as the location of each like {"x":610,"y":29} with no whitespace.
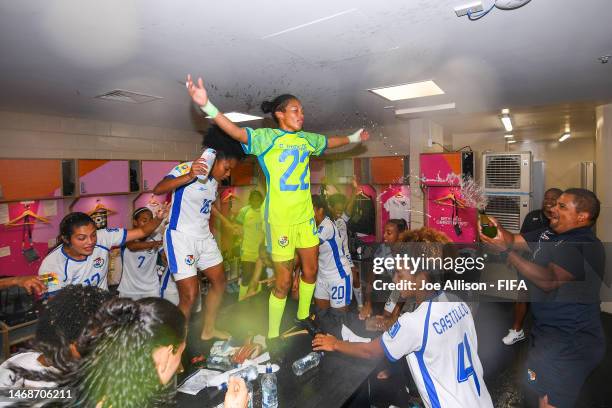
{"x":121,"y":95}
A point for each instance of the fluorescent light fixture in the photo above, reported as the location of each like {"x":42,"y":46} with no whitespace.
{"x":239,"y":117}
{"x":408,"y":91}
{"x":508,"y":136}
{"x":510,"y":141}
{"x":425,"y":109}
{"x":505,"y":118}
{"x":565,"y":137}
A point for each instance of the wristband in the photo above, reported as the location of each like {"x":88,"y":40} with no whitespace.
{"x":355,"y":137}
{"x":210,"y":109}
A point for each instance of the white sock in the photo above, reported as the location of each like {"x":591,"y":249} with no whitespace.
{"x":358,"y":296}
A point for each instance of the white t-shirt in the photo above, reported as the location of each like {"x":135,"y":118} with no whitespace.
{"x":398,"y":207}
{"x":29,"y":361}
{"x":139,"y":271}
{"x":92,"y":270}
{"x":333,"y":262}
{"x":341,"y":225}
{"x":192,"y":203}
{"x":439,"y":342}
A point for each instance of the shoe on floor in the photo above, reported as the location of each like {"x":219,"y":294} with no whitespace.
{"x":513,"y":336}
{"x":311,"y":324}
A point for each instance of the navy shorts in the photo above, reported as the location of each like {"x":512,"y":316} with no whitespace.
{"x":558,"y":367}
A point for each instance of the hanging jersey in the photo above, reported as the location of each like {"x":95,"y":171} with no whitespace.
{"x":342,"y":226}
{"x":333,"y":262}
{"x":439,"y":342}
{"x":191,"y":204}
{"x":92,"y":270}
{"x":252,"y":229}
{"x":284,"y":158}
{"x":139,"y":271}
{"x":398,"y":207}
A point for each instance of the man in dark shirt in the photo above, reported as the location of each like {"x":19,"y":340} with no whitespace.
{"x":564,"y":270}
{"x":536,"y":220}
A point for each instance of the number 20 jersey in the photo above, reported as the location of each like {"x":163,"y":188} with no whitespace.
{"x":192,"y":204}
{"x":284,"y":158}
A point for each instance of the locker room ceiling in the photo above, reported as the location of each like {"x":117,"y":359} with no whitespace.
{"x":57,"y":55}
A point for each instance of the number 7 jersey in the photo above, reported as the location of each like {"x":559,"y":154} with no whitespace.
{"x":284,"y":158}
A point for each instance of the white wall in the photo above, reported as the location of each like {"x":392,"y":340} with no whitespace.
{"x":41,"y":136}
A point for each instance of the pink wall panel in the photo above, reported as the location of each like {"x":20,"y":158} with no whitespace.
{"x":119,"y":203}
{"x":154,"y":171}
{"x":440,"y":216}
{"x":111,"y":177}
{"x":12,"y":237}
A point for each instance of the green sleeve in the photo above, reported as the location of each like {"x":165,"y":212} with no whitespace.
{"x":258,"y":140}
{"x":242,"y":214}
{"x":318,"y":142}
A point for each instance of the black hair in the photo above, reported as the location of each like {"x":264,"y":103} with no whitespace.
{"x":69,"y":223}
{"x":556,"y":191}
{"x":116,"y":367}
{"x":224,"y":144}
{"x":585,"y":201}
{"x":319,"y":202}
{"x":65,"y":315}
{"x":337,"y":199}
{"x":400,"y":223}
{"x":139,"y":211}
{"x":277,"y":104}
{"x":254,"y":193}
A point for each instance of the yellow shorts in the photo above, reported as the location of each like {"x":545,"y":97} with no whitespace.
{"x":282,"y":240}
{"x":249,"y":256}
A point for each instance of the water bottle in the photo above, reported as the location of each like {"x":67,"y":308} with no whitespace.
{"x":247,"y":373}
{"x":307,"y":362}
{"x":250,"y":394}
{"x":269,"y":390}
{"x":209,"y":156}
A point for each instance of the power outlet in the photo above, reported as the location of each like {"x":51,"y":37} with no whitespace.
{"x":474,"y":7}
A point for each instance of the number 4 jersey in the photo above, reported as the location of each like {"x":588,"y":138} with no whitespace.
{"x":439,"y":342}
{"x":284,"y":158}
{"x":92,"y":270}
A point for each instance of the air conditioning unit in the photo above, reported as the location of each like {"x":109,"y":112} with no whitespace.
{"x":509,"y":172}
{"x":509,"y":209}
{"x":506,"y":179}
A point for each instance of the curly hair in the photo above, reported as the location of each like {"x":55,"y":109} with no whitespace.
{"x":428,"y":243}
{"x":116,"y":367}
{"x":226,"y":147}
{"x":65,"y":316}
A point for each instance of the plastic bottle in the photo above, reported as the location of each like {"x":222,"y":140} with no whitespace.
{"x":307,"y":362}
{"x":209,"y":156}
{"x":269,"y":390}
{"x":247,"y":373}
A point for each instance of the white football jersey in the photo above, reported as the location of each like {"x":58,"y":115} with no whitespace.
{"x":341,"y":225}
{"x":398,"y":208}
{"x":92,"y":270}
{"x":439,"y":342}
{"x":191,"y":204}
{"x":139,"y":271}
{"x":332,"y":258}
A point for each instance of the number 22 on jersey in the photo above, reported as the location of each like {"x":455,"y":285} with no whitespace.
{"x":296,"y":158}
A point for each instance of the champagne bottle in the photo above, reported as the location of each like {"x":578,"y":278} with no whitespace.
{"x":487,"y":227}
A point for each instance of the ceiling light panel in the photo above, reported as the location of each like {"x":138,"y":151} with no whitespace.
{"x":408,"y":91}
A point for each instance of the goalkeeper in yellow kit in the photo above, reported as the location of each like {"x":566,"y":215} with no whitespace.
{"x":288,"y":217}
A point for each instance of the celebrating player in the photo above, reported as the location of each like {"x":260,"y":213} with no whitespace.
{"x":438,"y":340}
{"x":250,"y":219}
{"x":188,"y":243}
{"x":82,"y":256}
{"x":139,"y":278}
{"x":283,"y":155}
